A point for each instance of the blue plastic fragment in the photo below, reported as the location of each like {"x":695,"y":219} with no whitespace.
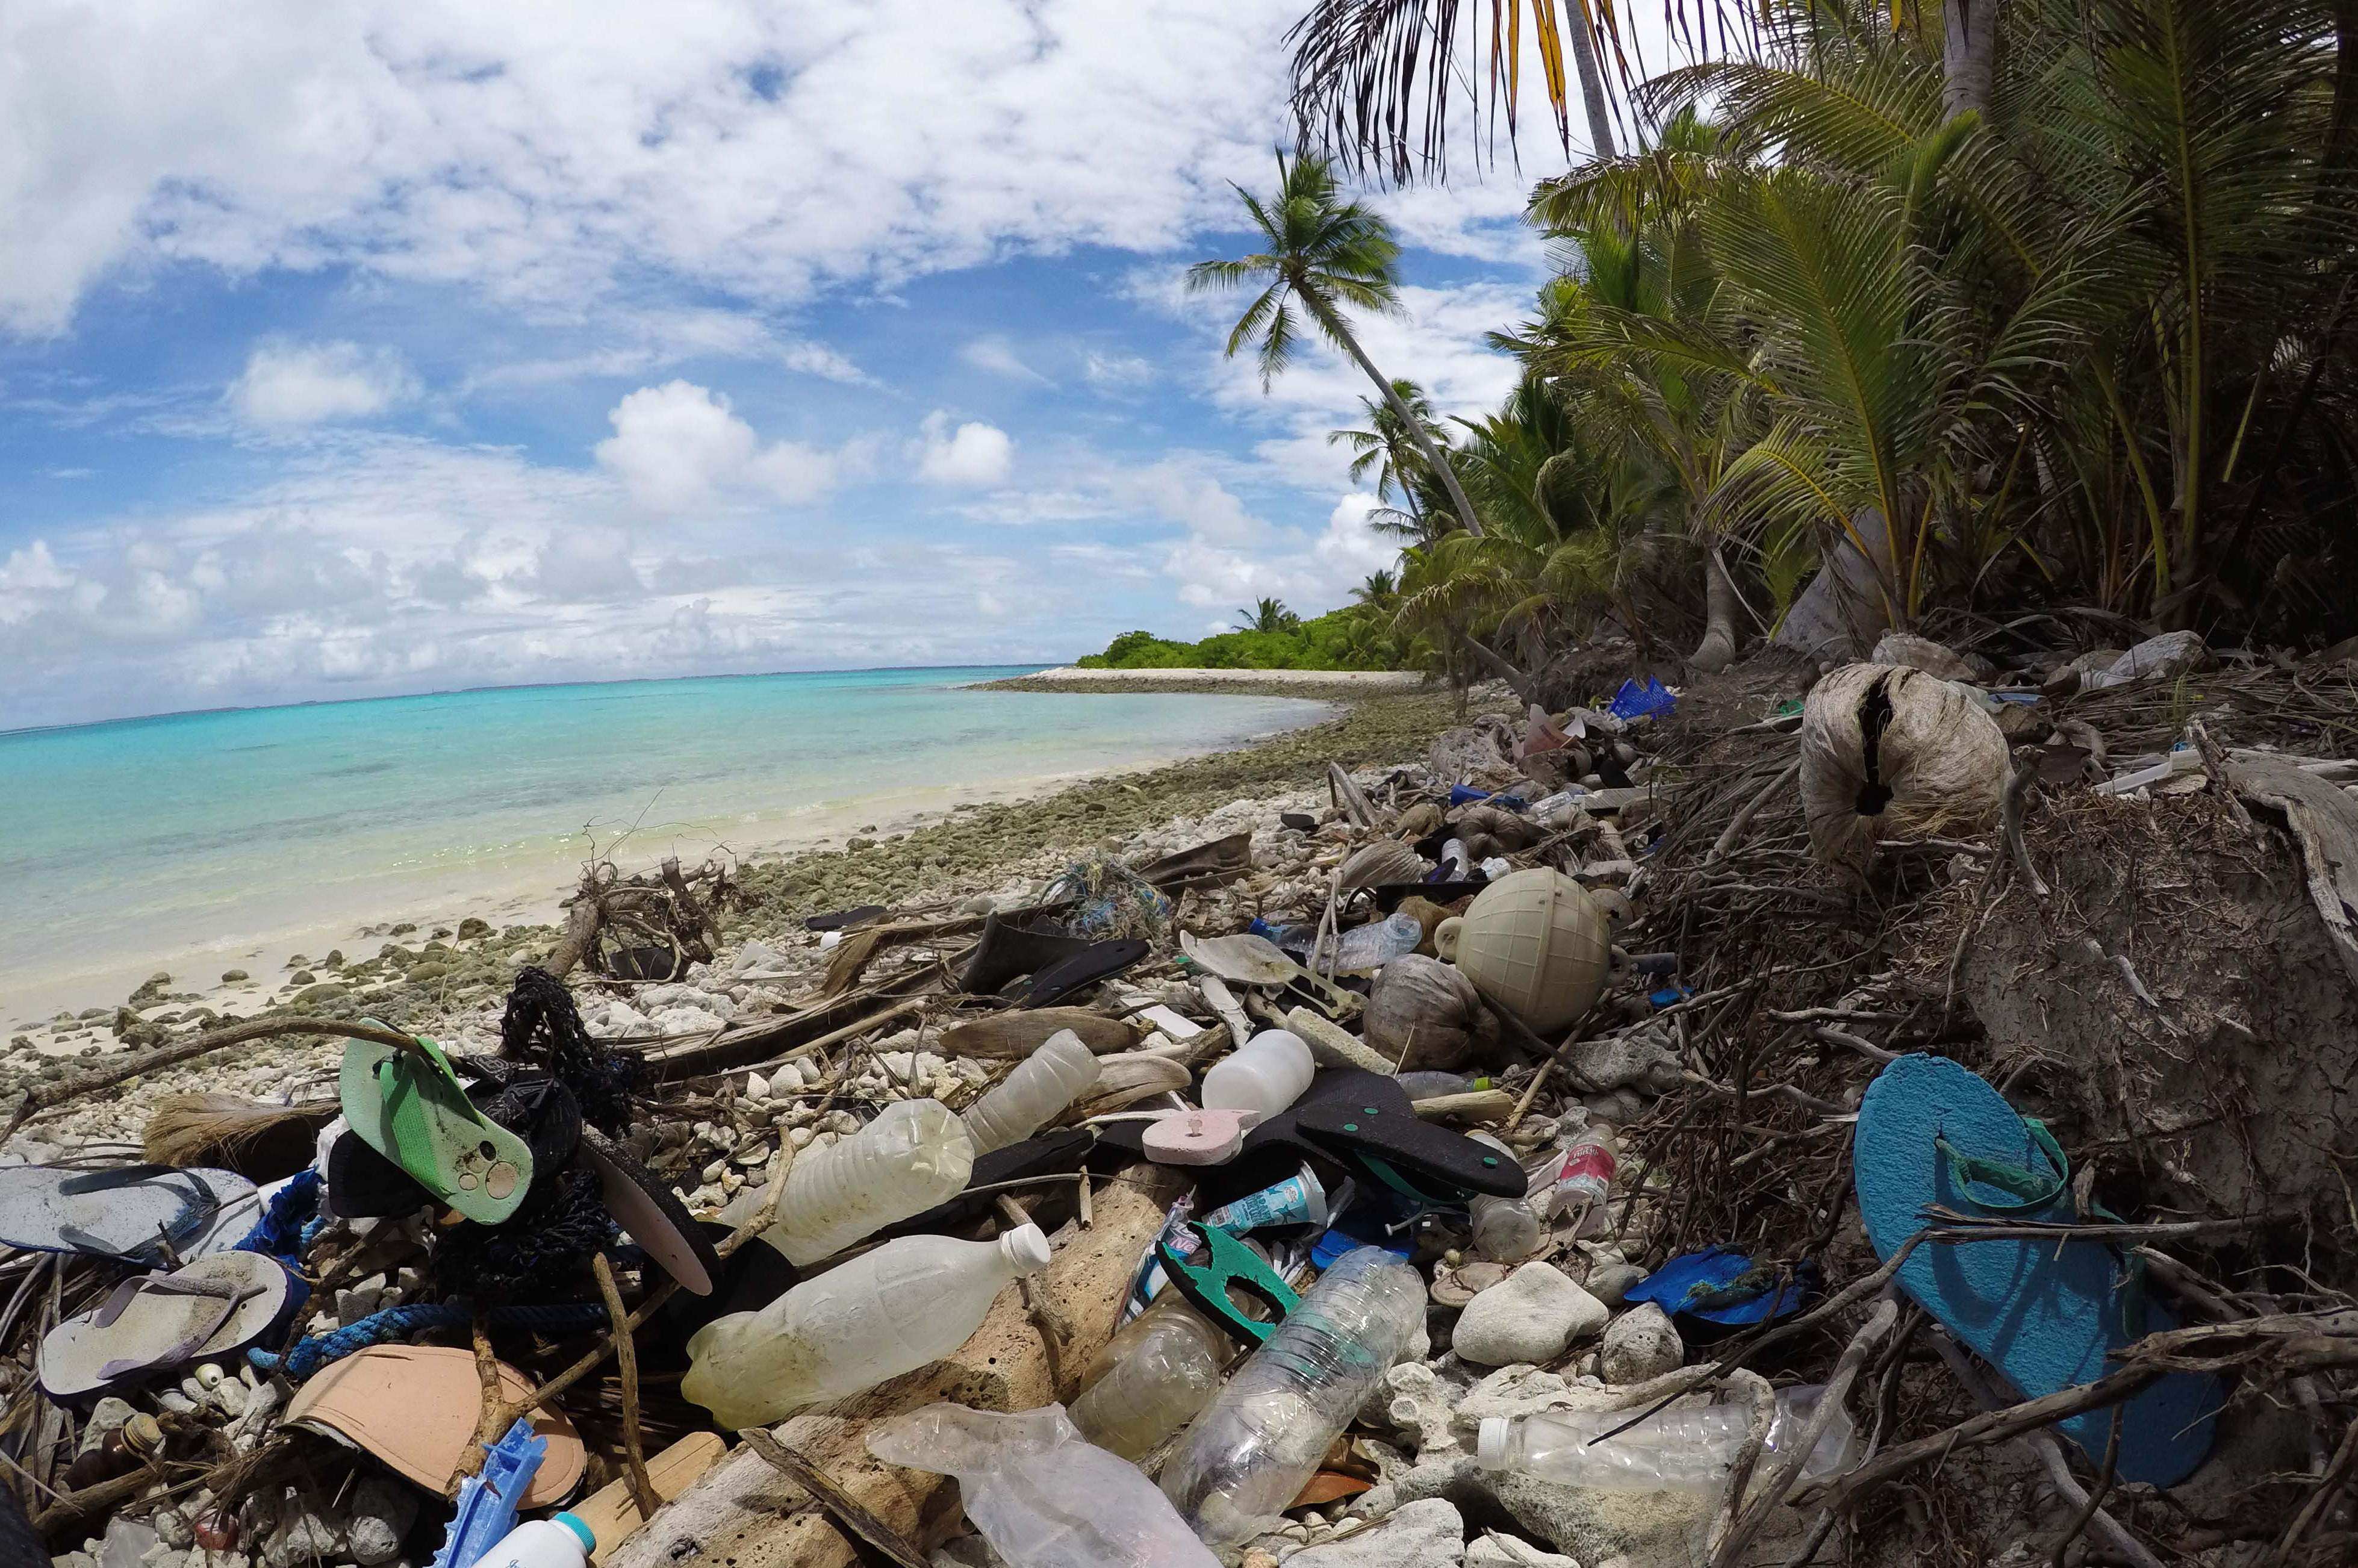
{"x":1647,"y":701}
{"x":1668,"y":996}
{"x":1466,"y":794}
{"x":488,"y":1502}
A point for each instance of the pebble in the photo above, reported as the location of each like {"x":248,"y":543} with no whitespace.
{"x":1641,"y":1343}
{"x":1531,"y":1317}
{"x":1612,"y":1282}
{"x":383,"y":1511}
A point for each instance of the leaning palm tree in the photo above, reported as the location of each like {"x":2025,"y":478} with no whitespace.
{"x":1323,"y":254}
{"x":1385,"y":449}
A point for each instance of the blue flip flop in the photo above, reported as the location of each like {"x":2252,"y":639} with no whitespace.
{"x":2046,"y":1314}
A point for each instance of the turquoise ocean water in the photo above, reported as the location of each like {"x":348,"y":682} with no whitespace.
{"x":170,"y":842}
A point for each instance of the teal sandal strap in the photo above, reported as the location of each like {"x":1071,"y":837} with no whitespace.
{"x":2033,"y":1191}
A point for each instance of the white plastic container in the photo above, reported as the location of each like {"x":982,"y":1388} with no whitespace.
{"x":911,"y":1301}
{"x":1268,"y":1073}
{"x":563,"y":1541}
{"x":1060,"y":1072}
{"x":916,"y":1154}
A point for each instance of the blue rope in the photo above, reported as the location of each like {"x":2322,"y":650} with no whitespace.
{"x":398,"y":1322}
{"x":287,"y":1227}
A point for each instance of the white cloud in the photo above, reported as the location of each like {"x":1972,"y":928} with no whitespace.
{"x":1117,"y":372}
{"x":289,"y":383}
{"x":973,"y":454}
{"x":677,"y":448}
{"x":993,"y":353}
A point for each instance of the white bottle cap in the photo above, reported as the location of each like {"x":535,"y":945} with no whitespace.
{"x":1026,"y":1248}
{"x":1490,"y":1446}
{"x":580,"y":1529}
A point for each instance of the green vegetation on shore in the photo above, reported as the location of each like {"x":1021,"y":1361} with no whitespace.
{"x":1357,"y":637}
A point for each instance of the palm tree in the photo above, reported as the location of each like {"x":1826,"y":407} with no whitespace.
{"x":1268,"y":615}
{"x":1370,"y":75}
{"x":1378,"y":591}
{"x":1385,"y":448}
{"x":1324,"y":253}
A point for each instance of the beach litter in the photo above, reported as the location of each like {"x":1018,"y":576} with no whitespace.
{"x":1683,"y":1180}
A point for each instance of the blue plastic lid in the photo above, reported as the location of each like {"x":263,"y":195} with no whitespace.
{"x":580,"y":1529}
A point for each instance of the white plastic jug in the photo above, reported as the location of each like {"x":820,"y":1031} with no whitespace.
{"x":914,"y":1155}
{"x":1054,"y":1076}
{"x":1267,"y":1074}
{"x":911,"y":1301}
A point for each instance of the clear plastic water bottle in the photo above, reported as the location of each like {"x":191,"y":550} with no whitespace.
{"x":913,"y":1299}
{"x":1044,"y":1083}
{"x":1248,"y":1455}
{"x":1038,"y":1492}
{"x":1152,"y":1378}
{"x":1505,"y":1230}
{"x":916,"y":1154}
{"x":1685,"y":1447}
{"x":1584,"y":1180}
{"x":1371,"y":947}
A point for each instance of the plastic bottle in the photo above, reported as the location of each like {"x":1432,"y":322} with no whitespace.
{"x":1685,"y":1447}
{"x":1505,"y":1230}
{"x":1041,"y":1496}
{"x":1265,"y":1076}
{"x":916,"y":1154}
{"x":1248,"y":1455}
{"x":1371,"y":947}
{"x":1151,"y":1378}
{"x":913,"y":1299}
{"x":563,"y":1541}
{"x":1043,"y":1084}
{"x":1584,"y":1180}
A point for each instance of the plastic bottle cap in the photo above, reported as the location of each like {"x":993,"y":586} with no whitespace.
{"x":580,"y":1529}
{"x":1490,"y":1446}
{"x":1025,"y":1248}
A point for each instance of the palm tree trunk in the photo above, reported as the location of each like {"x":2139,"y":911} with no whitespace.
{"x":1969,"y":56}
{"x":1521,"y":685}
{"x":1717,"y":649}
{"x":1341,"y":333}
{"x":1601,"y":142}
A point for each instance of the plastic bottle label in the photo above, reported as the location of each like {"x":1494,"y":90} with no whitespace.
{"x":1591,"y":1162}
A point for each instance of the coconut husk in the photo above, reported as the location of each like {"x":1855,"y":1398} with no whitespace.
{"x":230,"y":1132}
{"x":1427,"y":1016}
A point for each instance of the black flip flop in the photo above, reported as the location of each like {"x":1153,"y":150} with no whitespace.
{"x":1066,"y":1152}
{"x":644,"y":1205}
{"x":1011,"y":949}
{"x":1096,"y":962}
{"x":1334,"y":1128}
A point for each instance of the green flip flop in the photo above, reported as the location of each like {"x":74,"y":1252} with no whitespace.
{"x":409,"y":1108}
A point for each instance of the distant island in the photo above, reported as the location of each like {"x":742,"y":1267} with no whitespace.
{"x":1269,"y":637}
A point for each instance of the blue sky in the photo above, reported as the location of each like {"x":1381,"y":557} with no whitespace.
{"x":356,"y":347}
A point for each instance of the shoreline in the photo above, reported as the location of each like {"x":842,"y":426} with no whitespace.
{"x":426,"y":975}
{"x":528,"y":894}
{"x":1333,"y":685}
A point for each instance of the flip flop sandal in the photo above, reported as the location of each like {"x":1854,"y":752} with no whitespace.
{"x":1010,"y":949}
{"x":156,"y":1323}
{"x":2048,"y":1314}
{"x":1098,"y":962}
{"x":1719,"y":1290}
{"x":415,"y":1408}
{"x":365,"y":1185}
{"x":139,"y":1214}
{"x":409,"y":1108}
{"x":644,"y":1205}
{"x":843,"y":919}
{"x":1063,"y":1152}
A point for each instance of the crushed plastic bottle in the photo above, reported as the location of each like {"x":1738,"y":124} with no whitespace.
{"x":1151,"y":1378}
{"x":1371,"y":947}
{"x":1040,"y":1495}
{"x":1584,"y":1180}
{"x":1044,"y":1083}
{"x":913,"y":1299}
{"x":914,"y":1155}
{"x":1248,"y":1455}
{"x":1686,"y":1447}
{"x":1505,"y":1230}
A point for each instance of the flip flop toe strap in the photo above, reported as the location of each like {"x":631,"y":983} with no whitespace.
{"x":2033,"y":1191}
